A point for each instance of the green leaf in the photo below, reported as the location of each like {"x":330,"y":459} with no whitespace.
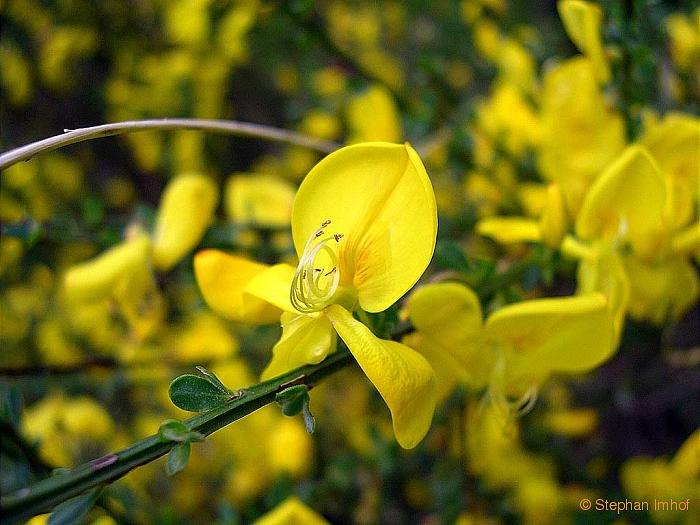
{"x":294,"y":400}
{"x":211,"y":377}
{"x":173,"y":430}
{"x":177,"y":458}
{"x":75,"y":509}
{"x":196,"y":394}
{"x":291,"y":399}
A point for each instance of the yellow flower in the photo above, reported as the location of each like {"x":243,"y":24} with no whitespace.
{"x":291,"y":510}
{"x":517,"y":347}
{"x":633,"y":255}
{"x":259,"y":200}
{"x":582,"y":21}
{"x":364,"y":224}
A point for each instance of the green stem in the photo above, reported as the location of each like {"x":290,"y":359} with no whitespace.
{"x":241,"y":129}
{"x":47,"y":493}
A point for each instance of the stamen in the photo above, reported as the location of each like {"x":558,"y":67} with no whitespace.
{"x":308,"y":293}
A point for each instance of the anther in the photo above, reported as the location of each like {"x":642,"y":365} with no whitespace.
{"x":325,"y":223}
{"x":331,"y":272}
{"x":337,"y":237}
{"x":318,"y":233}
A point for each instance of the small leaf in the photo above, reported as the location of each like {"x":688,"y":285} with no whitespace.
{"x":172,"y":430}
{"x":291,"y":399}
{"x":211,"y":377}
{"x":196,"y":394}
{"x":177,"y":458}
{"x":75,"y":510}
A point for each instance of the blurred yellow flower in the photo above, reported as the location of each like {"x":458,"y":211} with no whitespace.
{"x":516,"y":348}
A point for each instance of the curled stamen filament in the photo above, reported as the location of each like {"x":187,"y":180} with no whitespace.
{"x":308,"y":293}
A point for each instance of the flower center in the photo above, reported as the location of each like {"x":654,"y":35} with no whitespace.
{"x":313,"y":285}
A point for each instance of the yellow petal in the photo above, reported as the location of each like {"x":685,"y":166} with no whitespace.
{"x":401,"y":375}
{"x":259,"y":200}
{"x":686,"y":462}
{"x":675,"y":145}
{"x":446,"y":312}
{"x":554,"y":222}
{"x":606,"y":274}
{"x":508,"y":230}
{"x":185,"y":211}
{"x":100,"y":276}
{"x":273,"y":285}
{"x":627,"y":201}
{"x":582,"y":21}
{"x":448,"y":319}
{"x":291,"y":511}
{"x":687,"y":241}
{"x":222,"y":279}
{"x":448,"y":371}
{"x":305,"y":340}
{"x":662,"y":291}
{"x":572,"y":334}
{"x":379,"y":197}
{"x":372,"y":116}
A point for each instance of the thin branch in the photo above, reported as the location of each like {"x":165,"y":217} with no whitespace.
{"x":241,"y":129}
{"x":44,"y":495}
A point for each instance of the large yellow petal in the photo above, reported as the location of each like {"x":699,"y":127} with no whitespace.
{"x":582,"y":21}
{"x":379,"y":197}
{"x":571,"y":334}
{"x":627,"y":200}
{"x":401,"y":375}
{"x":508,"y":230}
{"x":305,"y":340}
{"x":185,"y":211}
{"x":222,"y":279}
